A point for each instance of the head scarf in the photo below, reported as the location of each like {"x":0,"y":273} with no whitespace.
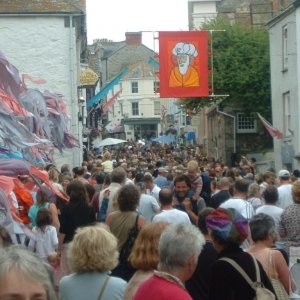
{"x":228,"y":224}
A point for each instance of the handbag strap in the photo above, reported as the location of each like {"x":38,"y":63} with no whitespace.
{"x":272,"y":266}
{"x":137,"y":221}
{"x":242,"y":272}
{"x":103,"y":288}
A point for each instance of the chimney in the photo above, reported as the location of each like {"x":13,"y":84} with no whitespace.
{"x":133,"y":38}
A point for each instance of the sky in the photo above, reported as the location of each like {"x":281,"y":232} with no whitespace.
{"x":112,"y":18}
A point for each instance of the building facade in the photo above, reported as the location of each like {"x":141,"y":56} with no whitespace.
{"x":132,"y":107}
{"x":47,"y":39}
{"x":284,"y":32}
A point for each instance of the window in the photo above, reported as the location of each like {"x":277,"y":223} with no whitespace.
{"x":188,"y":120}
{"x":113,"y":110}
{"x":134,"y":87}
{"x":121,"y":108}
{"x":156,"y":108}
{"x":285,"y":47}
{"x":156,"y":86}
{"x":246,"y":123}
{"x":135,"y":108}
{"x":287,"y":118}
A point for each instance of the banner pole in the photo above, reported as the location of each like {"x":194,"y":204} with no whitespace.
{"x":212,"y":60}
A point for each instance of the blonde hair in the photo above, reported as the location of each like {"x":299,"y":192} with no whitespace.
{"x":144,"y":255}
{"x":253,"y":189}
{"x":93,"y":248}
{"x":53,"y":175}
{"x":193,"y":166}
{"x":52,"y":257}
{"x":107,"y":156}
{"x":296,"y":191}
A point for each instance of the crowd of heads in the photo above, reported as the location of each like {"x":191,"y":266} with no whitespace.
{"x":170,"y":248}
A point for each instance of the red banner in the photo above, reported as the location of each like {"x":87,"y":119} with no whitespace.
{"x":183,"y":62}
{"x":274,"y":132}
{"x":111,"y":101}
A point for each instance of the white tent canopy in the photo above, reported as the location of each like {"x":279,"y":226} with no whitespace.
{"x":108,"y":142}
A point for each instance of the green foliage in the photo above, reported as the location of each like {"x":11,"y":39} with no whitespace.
{"x":241,"y":67}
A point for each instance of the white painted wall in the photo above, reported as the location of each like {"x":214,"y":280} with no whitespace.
{"x":43,"y":47}
{"x":283,"y":81}
{"x":202,"y":11}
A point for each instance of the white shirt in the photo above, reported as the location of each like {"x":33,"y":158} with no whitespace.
{"x":272,"y":211}
{"x":155,"y":192}
{"x":285,"y":197}
{"x":241,"y":205}
{"x":112,"y":202}
{"x":44,"y":243}
{"x":255,"y":202}
{"x":172,"y":216}
{"x":148,"y":207}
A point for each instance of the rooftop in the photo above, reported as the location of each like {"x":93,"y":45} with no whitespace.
{"x":42,"y":6}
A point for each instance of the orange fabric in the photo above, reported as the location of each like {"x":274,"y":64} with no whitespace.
{"x":25,"y":202}
{"x":191,"y":78}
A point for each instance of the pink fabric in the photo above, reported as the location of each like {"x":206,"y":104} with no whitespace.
{"x":162,"y":289}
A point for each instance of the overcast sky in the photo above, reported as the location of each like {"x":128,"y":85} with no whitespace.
{"x":112,"y":18}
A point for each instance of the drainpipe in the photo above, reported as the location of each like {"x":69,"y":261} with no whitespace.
{"x":74,"y":104}
{"x":234,"y":131}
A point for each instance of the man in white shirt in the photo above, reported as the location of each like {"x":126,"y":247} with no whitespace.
{"x":168,"y":213}
{"x":118,"y":177}
{"x":238,"y":201}
{"x":148,"y":205}
{"x":151,"y":188}
{"x":285,"y":197}
{"x":271,"y":196}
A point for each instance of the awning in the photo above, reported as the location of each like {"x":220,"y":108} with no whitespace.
{"x":140,"y":121}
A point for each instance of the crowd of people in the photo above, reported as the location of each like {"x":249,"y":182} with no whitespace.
{"x":156,"y":222}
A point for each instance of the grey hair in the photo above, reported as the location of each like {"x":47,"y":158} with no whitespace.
{"x":118,"y":175}
{"x":16,"y":258}
{"x":178,"y":243}
{"x":261,"y":225}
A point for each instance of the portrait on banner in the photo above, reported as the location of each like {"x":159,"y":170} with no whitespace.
{"x":183,"y":60}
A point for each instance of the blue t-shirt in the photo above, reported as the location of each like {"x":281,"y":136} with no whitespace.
{"x":34,"y":209}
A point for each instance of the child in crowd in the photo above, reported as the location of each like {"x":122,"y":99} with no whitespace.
{"x":54,"y":262}
{"x":45,"y":239}
{"x":195,"y":177}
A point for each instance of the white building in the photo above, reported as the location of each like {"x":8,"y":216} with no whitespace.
{"x":284,"y":32}
{"x":138,"y":106}
{"x":46,"y":40}
{"x":201,"y":11}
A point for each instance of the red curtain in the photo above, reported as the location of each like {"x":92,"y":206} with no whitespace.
{"x":183,"y":62}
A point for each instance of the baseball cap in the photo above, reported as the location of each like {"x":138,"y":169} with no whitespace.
{"x":284,"y":174}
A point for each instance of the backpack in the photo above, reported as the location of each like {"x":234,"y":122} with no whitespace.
{"x":125,"y":269}
{"x":261,"y":292}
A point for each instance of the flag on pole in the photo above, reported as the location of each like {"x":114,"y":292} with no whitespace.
{"x":183,"y":64}
{"x":274,"y":132}
{"x":111,"y":101}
